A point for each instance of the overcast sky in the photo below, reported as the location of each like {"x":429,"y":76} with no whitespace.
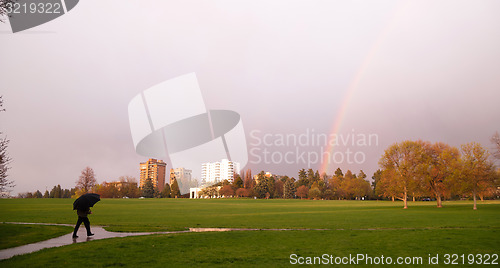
{"x":402,"y":69}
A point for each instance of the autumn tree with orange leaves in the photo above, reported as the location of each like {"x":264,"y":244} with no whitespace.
{"x":439,"y":164}
{"x":477,"y":171}
{"x":400,"y":163}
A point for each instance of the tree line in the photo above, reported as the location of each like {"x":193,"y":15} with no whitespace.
{"x":169,"y":191}
{"x":56,"y":192}
{"x":310,"y":184}
{"x":419,"y":168}
{"x":125,"y":187}
{"x":416,"y":170}
{"x":411,"y":169}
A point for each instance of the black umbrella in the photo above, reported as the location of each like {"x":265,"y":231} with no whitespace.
{"x":86,"y":201}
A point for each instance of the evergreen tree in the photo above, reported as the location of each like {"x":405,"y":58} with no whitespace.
{"x":148,"y":190}
{"x":324,"y":177}
{"x":66,"y":193}
{"x":377,"y":175}
{"x":58,"y":192}
{"x":53,"y":192}
{"x":38,"y":194}
{"x":302,"y":178}
{"x":289,"y":189}
{"x":166,"y":191}
{"x":312,"y":177}
{"x":175,"y":192}
{"x":317,"y":176}
{"x":46,"y":194}
{"x":339,"y":173}
{"x":349,"y":175}
{"x":238,"y":182}
{"x":265,"y":187}
{"x":310,"y":174}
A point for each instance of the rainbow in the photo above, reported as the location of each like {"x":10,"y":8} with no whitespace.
{"x":339,"y":119}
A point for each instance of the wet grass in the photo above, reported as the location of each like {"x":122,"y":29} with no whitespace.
{"x":263,"y":248}
{"x":375,"y":228}
{"x":13,"y":235}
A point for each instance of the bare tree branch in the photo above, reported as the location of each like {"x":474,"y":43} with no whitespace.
{"x":86,"y":180}
{"x":5,"y":5}
{"x":5,"y":160}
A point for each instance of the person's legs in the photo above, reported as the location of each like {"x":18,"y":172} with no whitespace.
{"x":87,"y":226}
{"x":80,"y":220}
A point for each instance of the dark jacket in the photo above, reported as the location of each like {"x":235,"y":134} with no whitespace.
{"x":83,"y":213}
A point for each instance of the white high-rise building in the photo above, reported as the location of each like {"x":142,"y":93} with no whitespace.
{"x":219,"y":171}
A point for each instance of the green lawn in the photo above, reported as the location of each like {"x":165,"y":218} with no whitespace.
{"x":260,"y":248}
{"x":13,"y":235}
{"x":178,"y":214}
{"x":356,"y":227}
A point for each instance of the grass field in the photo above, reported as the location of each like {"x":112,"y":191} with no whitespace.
{"x":179,"y":214}
{"x":354,"y":227}
{"x":13,"y":235}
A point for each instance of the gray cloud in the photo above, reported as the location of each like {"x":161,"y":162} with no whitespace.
{"x":430,"y":72}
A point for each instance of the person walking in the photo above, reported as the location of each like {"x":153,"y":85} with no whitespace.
{"x":83,"y":217}
{"x":82,"y":206}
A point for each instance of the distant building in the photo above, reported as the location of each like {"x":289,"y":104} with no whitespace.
{"x":219,"y":171}
{"x":155,"y":170}
{"x":172,"y":176}
{"x":119,"y":184}
{"x":193,"y":192}
{"x":207,"y":192}
{"x":183,"y":177}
